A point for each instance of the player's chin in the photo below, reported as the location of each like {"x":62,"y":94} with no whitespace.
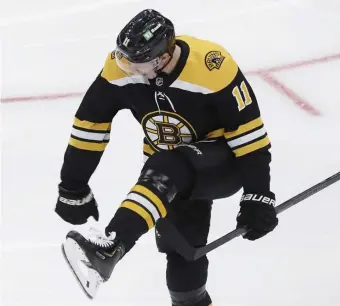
{"x":150,"y":75}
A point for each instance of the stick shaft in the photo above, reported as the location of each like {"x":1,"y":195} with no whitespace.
{"x":309,"y":192}
{"x":282,"y":207}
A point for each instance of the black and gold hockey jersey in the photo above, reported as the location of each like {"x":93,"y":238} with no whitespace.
{"x":205,"y":96}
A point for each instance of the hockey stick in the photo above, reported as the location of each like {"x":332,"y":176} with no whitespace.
{"x":172,"y":236}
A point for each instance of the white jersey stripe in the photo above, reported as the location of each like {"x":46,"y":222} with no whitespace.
{"x":190,"y":87}
{"x":244,"y":139}
{"x":146,"y":203}
{"x":90,"y":136}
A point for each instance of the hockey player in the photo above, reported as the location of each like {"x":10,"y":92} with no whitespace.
{"x":204,"y":140}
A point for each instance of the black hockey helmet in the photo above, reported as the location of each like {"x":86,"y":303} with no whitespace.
{"x":148,"y":35}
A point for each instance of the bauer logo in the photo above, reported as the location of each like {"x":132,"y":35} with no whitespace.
{"x":214,"y":60}
{"x":166,"y":130}
{"x":257,"y":198}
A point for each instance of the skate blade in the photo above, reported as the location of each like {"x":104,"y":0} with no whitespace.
{"x":75,"y":256}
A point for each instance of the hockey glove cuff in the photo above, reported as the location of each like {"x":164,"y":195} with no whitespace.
{"x":257,"y":213}
{"x":77,"y":206}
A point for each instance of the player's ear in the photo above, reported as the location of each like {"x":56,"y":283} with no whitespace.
{"x":165,"y":56}
{"x":164,"y":59}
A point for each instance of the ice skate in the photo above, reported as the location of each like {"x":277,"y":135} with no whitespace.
{"x":92,"y":259}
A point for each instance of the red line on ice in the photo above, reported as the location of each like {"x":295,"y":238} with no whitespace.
{"x":264,"y":73}
{"x":302,"y":103}
{"x":299,"y":64}
{"x":42,"y":97}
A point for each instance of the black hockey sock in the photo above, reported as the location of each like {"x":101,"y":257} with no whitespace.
{"x":204,"y":301}
{"x":137,"y":214}
{"x":164,"y":175}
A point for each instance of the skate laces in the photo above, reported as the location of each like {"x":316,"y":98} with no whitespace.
{"x":100,"y":239}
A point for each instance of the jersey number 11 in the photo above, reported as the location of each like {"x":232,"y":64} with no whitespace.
{"x":244,"y":100}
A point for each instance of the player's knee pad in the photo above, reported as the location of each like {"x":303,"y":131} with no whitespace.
{"x":168,"y":167}
{"x":185,"y":276}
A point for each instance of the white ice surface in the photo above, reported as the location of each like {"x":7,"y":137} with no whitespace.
{"x":59,"y":47}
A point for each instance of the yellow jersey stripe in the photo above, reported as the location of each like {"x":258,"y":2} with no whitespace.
{"x":152,"y":197}
{"x":91,"y":125}
{"x":244,"y":128}
{"x":89,"y":146}
{"x":140,"y":211}
{"x":148,"y":149}
{"x":252,"y":147}
{"x":215,"y":134}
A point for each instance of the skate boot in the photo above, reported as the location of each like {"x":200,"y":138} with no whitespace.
{"x":92,"y":259}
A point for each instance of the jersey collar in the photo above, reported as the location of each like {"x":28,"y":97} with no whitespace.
{"x":164,"y":80}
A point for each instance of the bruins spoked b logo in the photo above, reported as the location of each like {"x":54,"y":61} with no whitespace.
{"x":165,"y":130}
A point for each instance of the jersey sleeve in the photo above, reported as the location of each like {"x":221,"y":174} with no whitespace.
{"x":245,"y":133}
{"x":90,"y":132}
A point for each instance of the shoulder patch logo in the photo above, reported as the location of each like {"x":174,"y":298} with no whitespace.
{"x":113,"y":54}
{"x":214,"y":60}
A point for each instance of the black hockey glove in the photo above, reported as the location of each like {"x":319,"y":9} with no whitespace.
{"x":257,"y":213}
{"x":76,"y":207}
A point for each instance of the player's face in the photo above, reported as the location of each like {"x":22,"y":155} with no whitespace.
{"x":147,"y":69}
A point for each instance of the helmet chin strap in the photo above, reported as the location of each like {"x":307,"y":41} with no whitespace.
{"x":157,"y":71}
